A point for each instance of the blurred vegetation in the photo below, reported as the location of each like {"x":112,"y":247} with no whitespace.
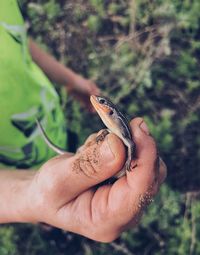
{"x":144,"y":55}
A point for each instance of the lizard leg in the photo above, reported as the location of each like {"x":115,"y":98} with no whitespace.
{"x":102,"y":136}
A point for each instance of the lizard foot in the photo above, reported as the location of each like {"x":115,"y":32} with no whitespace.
{"x":102,"y":136}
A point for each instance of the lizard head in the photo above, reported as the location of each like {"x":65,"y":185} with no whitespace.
{"x":102,"y":105}
{"x":106,"y":110}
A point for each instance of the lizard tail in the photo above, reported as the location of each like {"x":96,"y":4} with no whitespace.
{"x":55,"y":148}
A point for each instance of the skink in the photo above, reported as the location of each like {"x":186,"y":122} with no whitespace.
{"x":114,"y":121}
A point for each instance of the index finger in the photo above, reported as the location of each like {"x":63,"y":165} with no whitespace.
{"x":131,"y":193}
{"x":147,"y":161}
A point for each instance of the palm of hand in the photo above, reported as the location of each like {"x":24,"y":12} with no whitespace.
{"x":65,"y":187}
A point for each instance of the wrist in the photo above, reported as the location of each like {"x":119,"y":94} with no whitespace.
{"x":15,"y":196}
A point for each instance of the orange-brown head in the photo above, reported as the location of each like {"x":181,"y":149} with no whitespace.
{"x":111,"y":116}
{"x":101,"y":104}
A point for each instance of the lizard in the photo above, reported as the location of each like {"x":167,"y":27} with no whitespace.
{"x":115,"y":122}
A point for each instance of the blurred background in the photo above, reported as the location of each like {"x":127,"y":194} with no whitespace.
{"x":144,"y":55}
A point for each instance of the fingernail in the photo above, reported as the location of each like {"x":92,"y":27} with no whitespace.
{"x":106,"y":150}
{"x":144,"y":128}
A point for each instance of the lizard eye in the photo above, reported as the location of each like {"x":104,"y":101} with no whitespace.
{"x":111,"y":112}
{"x":101,"y":101}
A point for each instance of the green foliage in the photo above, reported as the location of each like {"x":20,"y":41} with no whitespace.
{"x":162,"y":132}
{"x":145,"y":56}
{"x":93,"y":22}
{"x":99,"y":6}
{"x":52,"y":9}
{"x":7,"y":241}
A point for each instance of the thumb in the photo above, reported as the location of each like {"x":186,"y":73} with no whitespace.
{"x":95,"y":163}
{"x":100,"y":160}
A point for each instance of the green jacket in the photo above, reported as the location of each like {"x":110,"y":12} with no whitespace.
{"x":26,"y":94}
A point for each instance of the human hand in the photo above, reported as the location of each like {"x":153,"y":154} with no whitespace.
{"x":82,"y":89}
{"x":78,"y":86}
{"x":63,"y":192}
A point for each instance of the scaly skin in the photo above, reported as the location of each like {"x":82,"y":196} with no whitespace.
{"x":117,"y":124}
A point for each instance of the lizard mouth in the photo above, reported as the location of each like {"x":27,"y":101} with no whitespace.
{"x":93,"y":100}
{"x":98,"y":107}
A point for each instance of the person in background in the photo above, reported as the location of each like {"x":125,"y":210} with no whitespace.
{"x":60,"y":191}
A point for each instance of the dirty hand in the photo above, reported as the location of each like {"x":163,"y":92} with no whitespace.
{"x":63,"y":192}
{"x":82,"y":89}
